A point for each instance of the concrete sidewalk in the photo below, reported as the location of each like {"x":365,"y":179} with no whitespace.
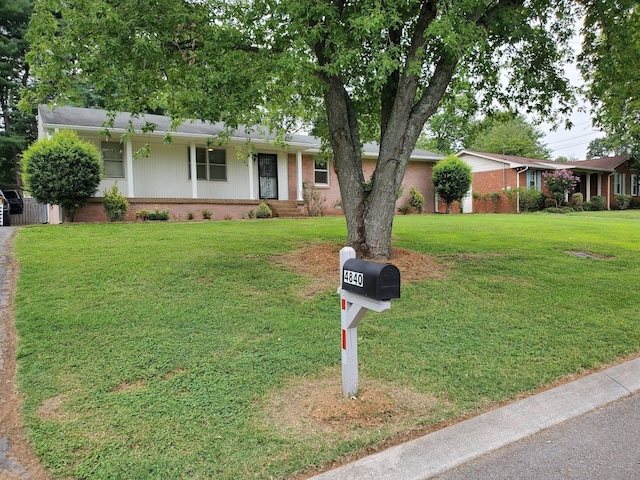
{"x":445,"y":449}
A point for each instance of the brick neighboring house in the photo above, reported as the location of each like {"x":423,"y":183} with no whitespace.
{"x":607,"y":176}
{"x":497,"y":174}
{"x":194,"y":172}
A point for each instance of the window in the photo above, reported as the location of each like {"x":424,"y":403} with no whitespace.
{"x":113,"y":159}
{"x":618,"y":183}
{"x":321,"y":172}
{"x":211,"y":164}
{"x":534,"y":180}
{"x":634,"y":185}
{"x":217,"y":165}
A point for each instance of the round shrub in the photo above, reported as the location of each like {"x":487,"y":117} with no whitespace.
{"x":263,"y":211}
{"x":623,"y":201}
{"x":598,"y":203}
{"x":62,"y":170}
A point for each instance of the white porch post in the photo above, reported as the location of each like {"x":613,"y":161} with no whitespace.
{"x":299,"y":173}
{"x":129,"y":160}
{"x":194,"y":170}
{"x":588,"y":191}
{"x":599,"y":184}
{"x":252,"y":195}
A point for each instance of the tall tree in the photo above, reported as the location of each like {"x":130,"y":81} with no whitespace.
{"x":611,"y":52}
{"x":512,"y":137}
{"x":377,"y":70}
{"x":17,"y":128}
{"x":607,"y":146}
{"x":448,"y":130}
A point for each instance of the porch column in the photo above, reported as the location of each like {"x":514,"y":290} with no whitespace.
{"x":129,"y":159}
{"x":299,"y":173}
{"x":252,"y":195}
{"x":194,"y":170}
{"x":588,"y":191}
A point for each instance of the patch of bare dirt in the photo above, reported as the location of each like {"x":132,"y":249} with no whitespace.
{"x":321,"y":263}
{"x":54,"y":409}
{"x":311,"y":407}
{"x":127,"y":387}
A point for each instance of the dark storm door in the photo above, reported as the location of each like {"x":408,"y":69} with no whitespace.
{"x":268,"y":174}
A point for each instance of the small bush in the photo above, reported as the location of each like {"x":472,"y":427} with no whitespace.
{"x":190,"y":216}
{"x":577,"y":202}
{"x":494,"y":198}
{"x":416,"y":200}
{"x":405,"y":209}
{"x":598,"y":203}
{"x":623,"y":201}
{"x":313,"y":200}
{"x":206,"y":214}
{"x":142,"y":214}
{"x":263,"y":211}
{"x":531,"y":200}
{"x":157,"y":215}
{"x":549,"y":203}
{"x":251,"y":213}
{"x":115,"y":204}
{"x":557,"y":210}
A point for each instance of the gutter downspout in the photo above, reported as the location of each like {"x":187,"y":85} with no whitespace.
{"x":518,"y":172}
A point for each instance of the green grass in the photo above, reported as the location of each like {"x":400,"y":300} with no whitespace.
{"x":151,"y":350}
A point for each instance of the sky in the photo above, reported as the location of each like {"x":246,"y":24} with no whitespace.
{"x":571,"y":143}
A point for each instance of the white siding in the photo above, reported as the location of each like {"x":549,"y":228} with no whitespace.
{"x":164,"y":173}
{"x":235,"y":187}
{"x":107,"y":183}
{"x":482,"y":164}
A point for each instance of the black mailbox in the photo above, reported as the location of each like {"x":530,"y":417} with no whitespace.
{"x":379,"y":281}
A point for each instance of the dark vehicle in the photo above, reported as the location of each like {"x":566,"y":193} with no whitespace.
{"x":16,"y":205}
{"x":6,"y":219}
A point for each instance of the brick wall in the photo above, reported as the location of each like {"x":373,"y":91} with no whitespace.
{"x":418,"y":174}
{"x":178,"y":209}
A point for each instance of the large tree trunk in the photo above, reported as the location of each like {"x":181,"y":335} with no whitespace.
{"x":369,"y":208}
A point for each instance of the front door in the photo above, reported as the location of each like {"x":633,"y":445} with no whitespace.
{"x":268,"y":173}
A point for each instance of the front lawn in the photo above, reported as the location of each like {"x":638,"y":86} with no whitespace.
{"x":182,"y":350}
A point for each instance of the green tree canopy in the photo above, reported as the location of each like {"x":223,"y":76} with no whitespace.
{"x":452,"y":180}
{"x":608,"y":62}
{"x":375,"y":70}
{"x":607,"y":146}
{"x":17,"y":128}
{"x":62,"y":170}
{"x":513,"y":136}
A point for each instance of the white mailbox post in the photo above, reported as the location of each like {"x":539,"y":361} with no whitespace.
{"x":363,"y":286}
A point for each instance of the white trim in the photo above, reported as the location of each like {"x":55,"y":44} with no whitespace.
{"x":252,"y":193}
{"x":194,"y":170}
{"x":128,"y":153}
{"x":299,"y":174}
